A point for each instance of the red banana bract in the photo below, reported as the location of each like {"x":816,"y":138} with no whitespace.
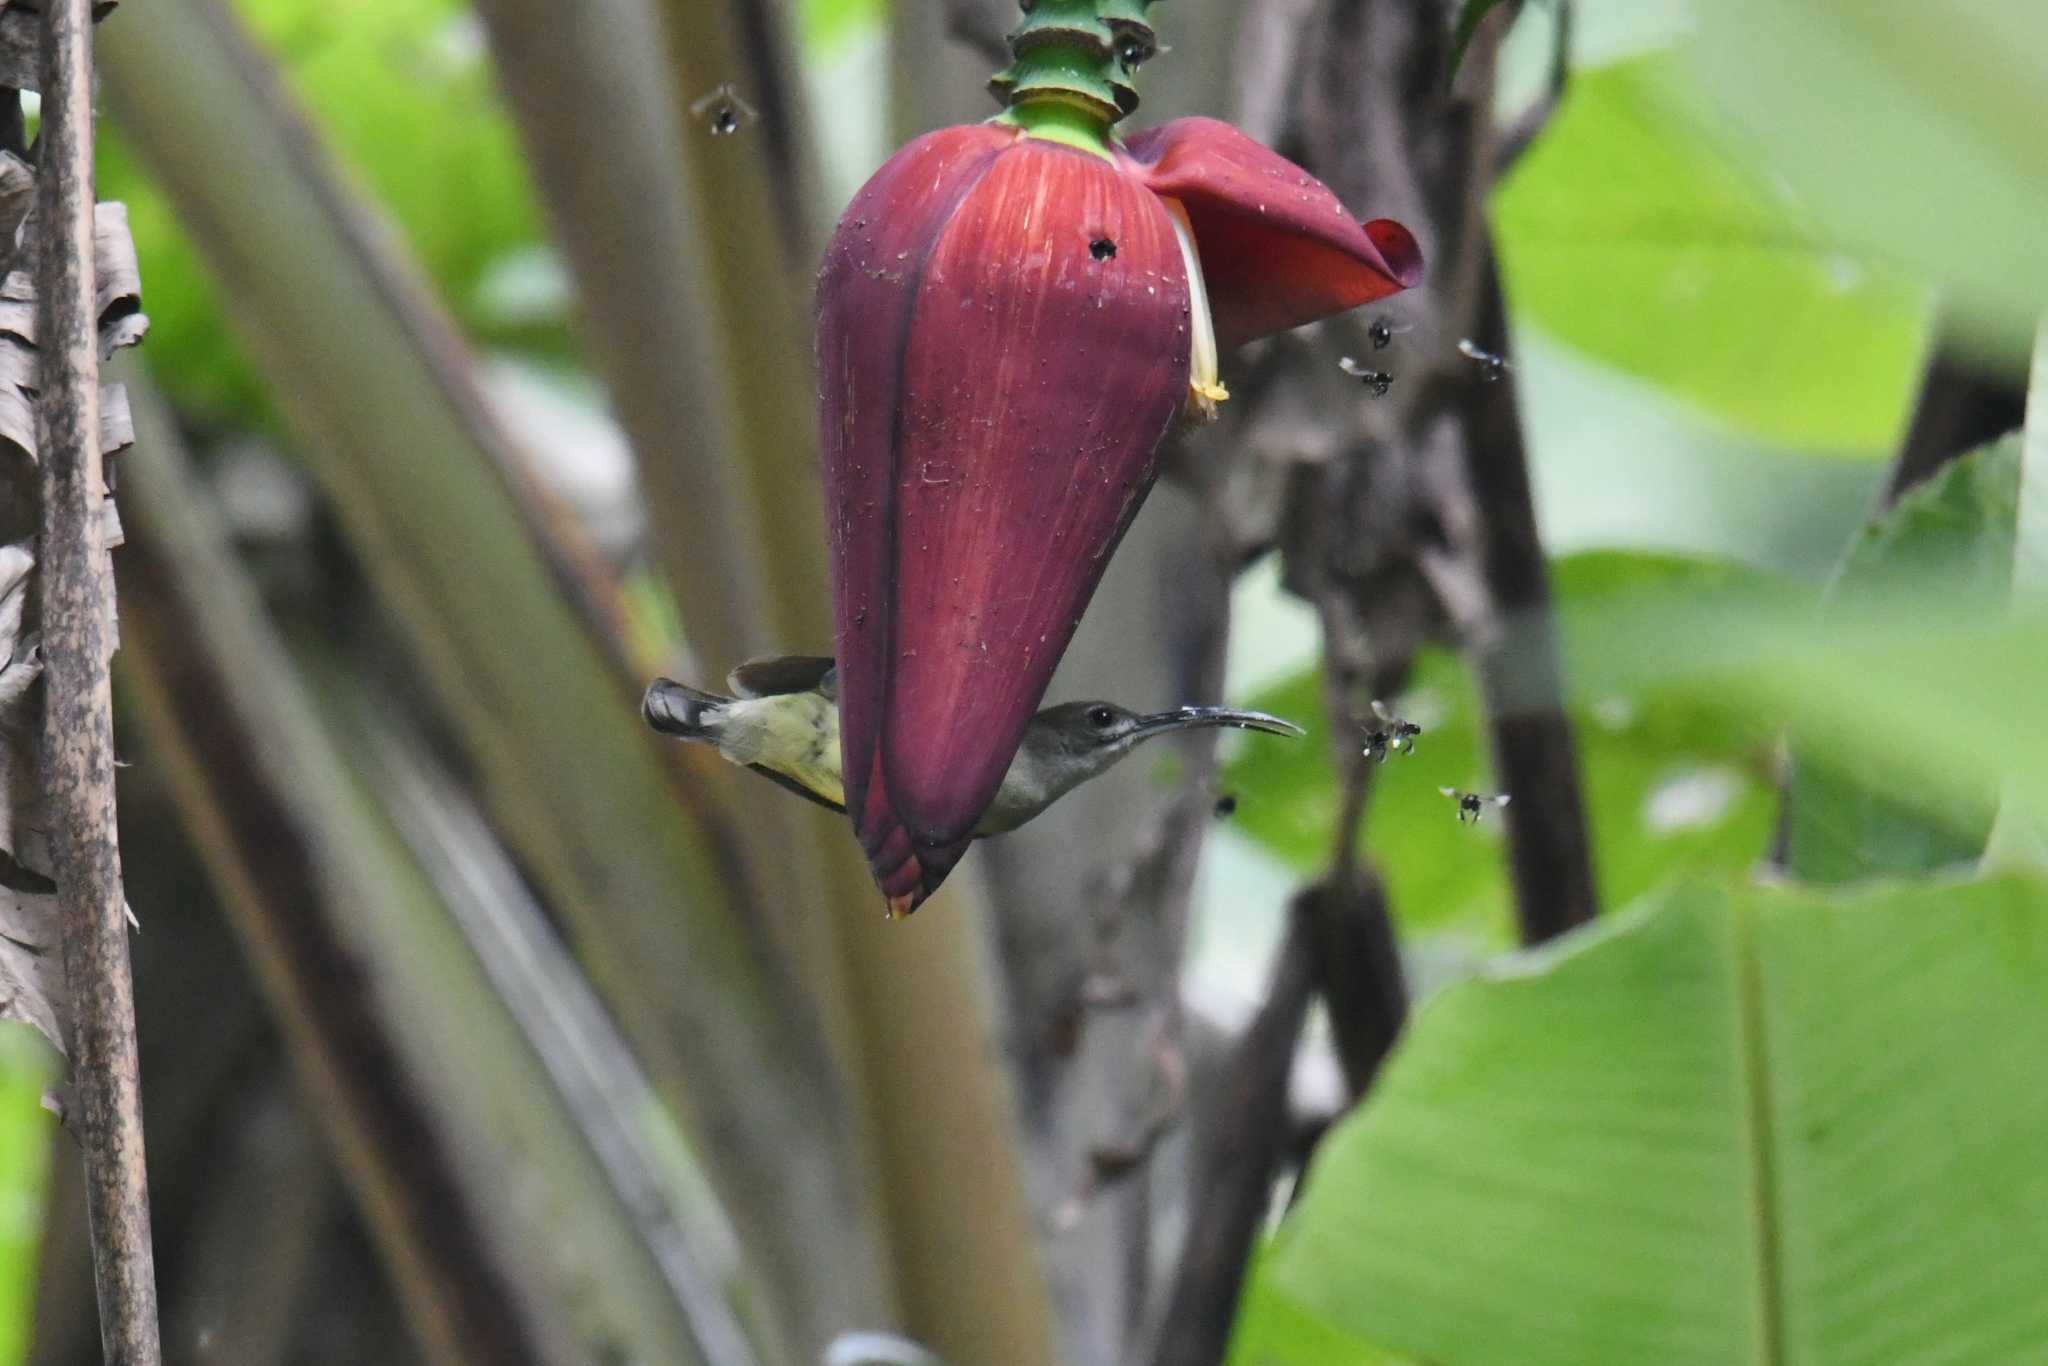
{"x":1008,"y":328}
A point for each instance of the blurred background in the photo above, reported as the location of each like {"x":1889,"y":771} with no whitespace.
{"x":478,"y":1026}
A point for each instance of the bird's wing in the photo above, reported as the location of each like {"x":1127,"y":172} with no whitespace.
{"x":794,"y":786}
{"x":780,"y":675}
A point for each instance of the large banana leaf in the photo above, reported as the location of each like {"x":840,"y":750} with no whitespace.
{"x":1629,"y":234}
{"x":1909,"y":132}
{"x":1745,"y":1126}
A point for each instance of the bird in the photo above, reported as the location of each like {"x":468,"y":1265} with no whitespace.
{"x":782,"y":721}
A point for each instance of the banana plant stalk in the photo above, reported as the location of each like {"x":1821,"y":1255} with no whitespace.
{"x":1013,"y":316}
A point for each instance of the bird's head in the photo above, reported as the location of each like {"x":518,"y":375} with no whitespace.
{"x":1076,"y":741}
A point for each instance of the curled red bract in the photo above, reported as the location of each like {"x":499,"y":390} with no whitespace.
{"x":1278,"y":248}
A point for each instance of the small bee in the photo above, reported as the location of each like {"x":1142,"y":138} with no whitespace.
{"x":1491,"y":367}
{"x":1472,"y":805}
{"x":1392,"y":736}
{"x":1376,"y":380}
{"x":1384,"y":330}
{"x":725,"y":112}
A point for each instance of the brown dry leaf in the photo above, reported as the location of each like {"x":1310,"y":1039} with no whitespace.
{"x":32,"y":987}
{"x":31,"y":969}
{"x":122,"y":322}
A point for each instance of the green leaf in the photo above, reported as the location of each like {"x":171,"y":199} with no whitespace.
{"x":1965,"y":686}
{"x":1950,"y":535}
{"x":1627,"y":233}
{"x":1911,"y":132}
{"x":1275,"y":1329}
{"x":25,"y":1129}
{"x":1751,"y":1126}
{"x":1859,"y":815}
{"x":1675,"y":782}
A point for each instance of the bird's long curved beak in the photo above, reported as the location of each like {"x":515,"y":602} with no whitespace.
{"x":1197,"y":718}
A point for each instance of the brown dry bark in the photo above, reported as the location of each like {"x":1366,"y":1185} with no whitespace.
{"x":78,"y":734}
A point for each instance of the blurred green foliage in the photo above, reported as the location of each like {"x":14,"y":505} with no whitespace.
{"x":1951,"y":697}
{"x":1857,"y":814}
{"x":827,"y":24}
{"x":1675,"y":781}
{"x":1627,"y":233}
{"x":1911,"y":133}
{"x":25,"y":1130}
{"x":1750,"y":1125}
{"x":402,"y":92}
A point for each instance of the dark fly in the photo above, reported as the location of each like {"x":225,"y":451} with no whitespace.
{"x":1472,"y":805}
{"x":1384,"y":330}
{"x":1491,"y":367}
{"x":1392,"y":735}
{"x":1378,"y":381}
{"x":723,"y":111}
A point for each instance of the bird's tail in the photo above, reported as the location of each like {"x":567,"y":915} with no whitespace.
{"x":676,"y":709}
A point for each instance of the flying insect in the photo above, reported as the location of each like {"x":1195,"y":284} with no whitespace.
{"x":1491,"y":366}
{"x":724,"y":112}
{"x":1379,"y":381}
{"x":1392,"y":735}
{"x":1384,"y":330}
{"x":1472,"y":805}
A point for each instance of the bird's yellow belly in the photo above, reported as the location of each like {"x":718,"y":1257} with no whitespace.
{"x":795,"y":735}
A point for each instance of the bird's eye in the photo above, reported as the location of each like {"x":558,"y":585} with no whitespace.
{"x":1102,"y":718}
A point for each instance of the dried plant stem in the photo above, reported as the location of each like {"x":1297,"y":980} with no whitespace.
{"x":1520,"y":675}
{"x":1238,"y":1160}
{"x":78,"y":725}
